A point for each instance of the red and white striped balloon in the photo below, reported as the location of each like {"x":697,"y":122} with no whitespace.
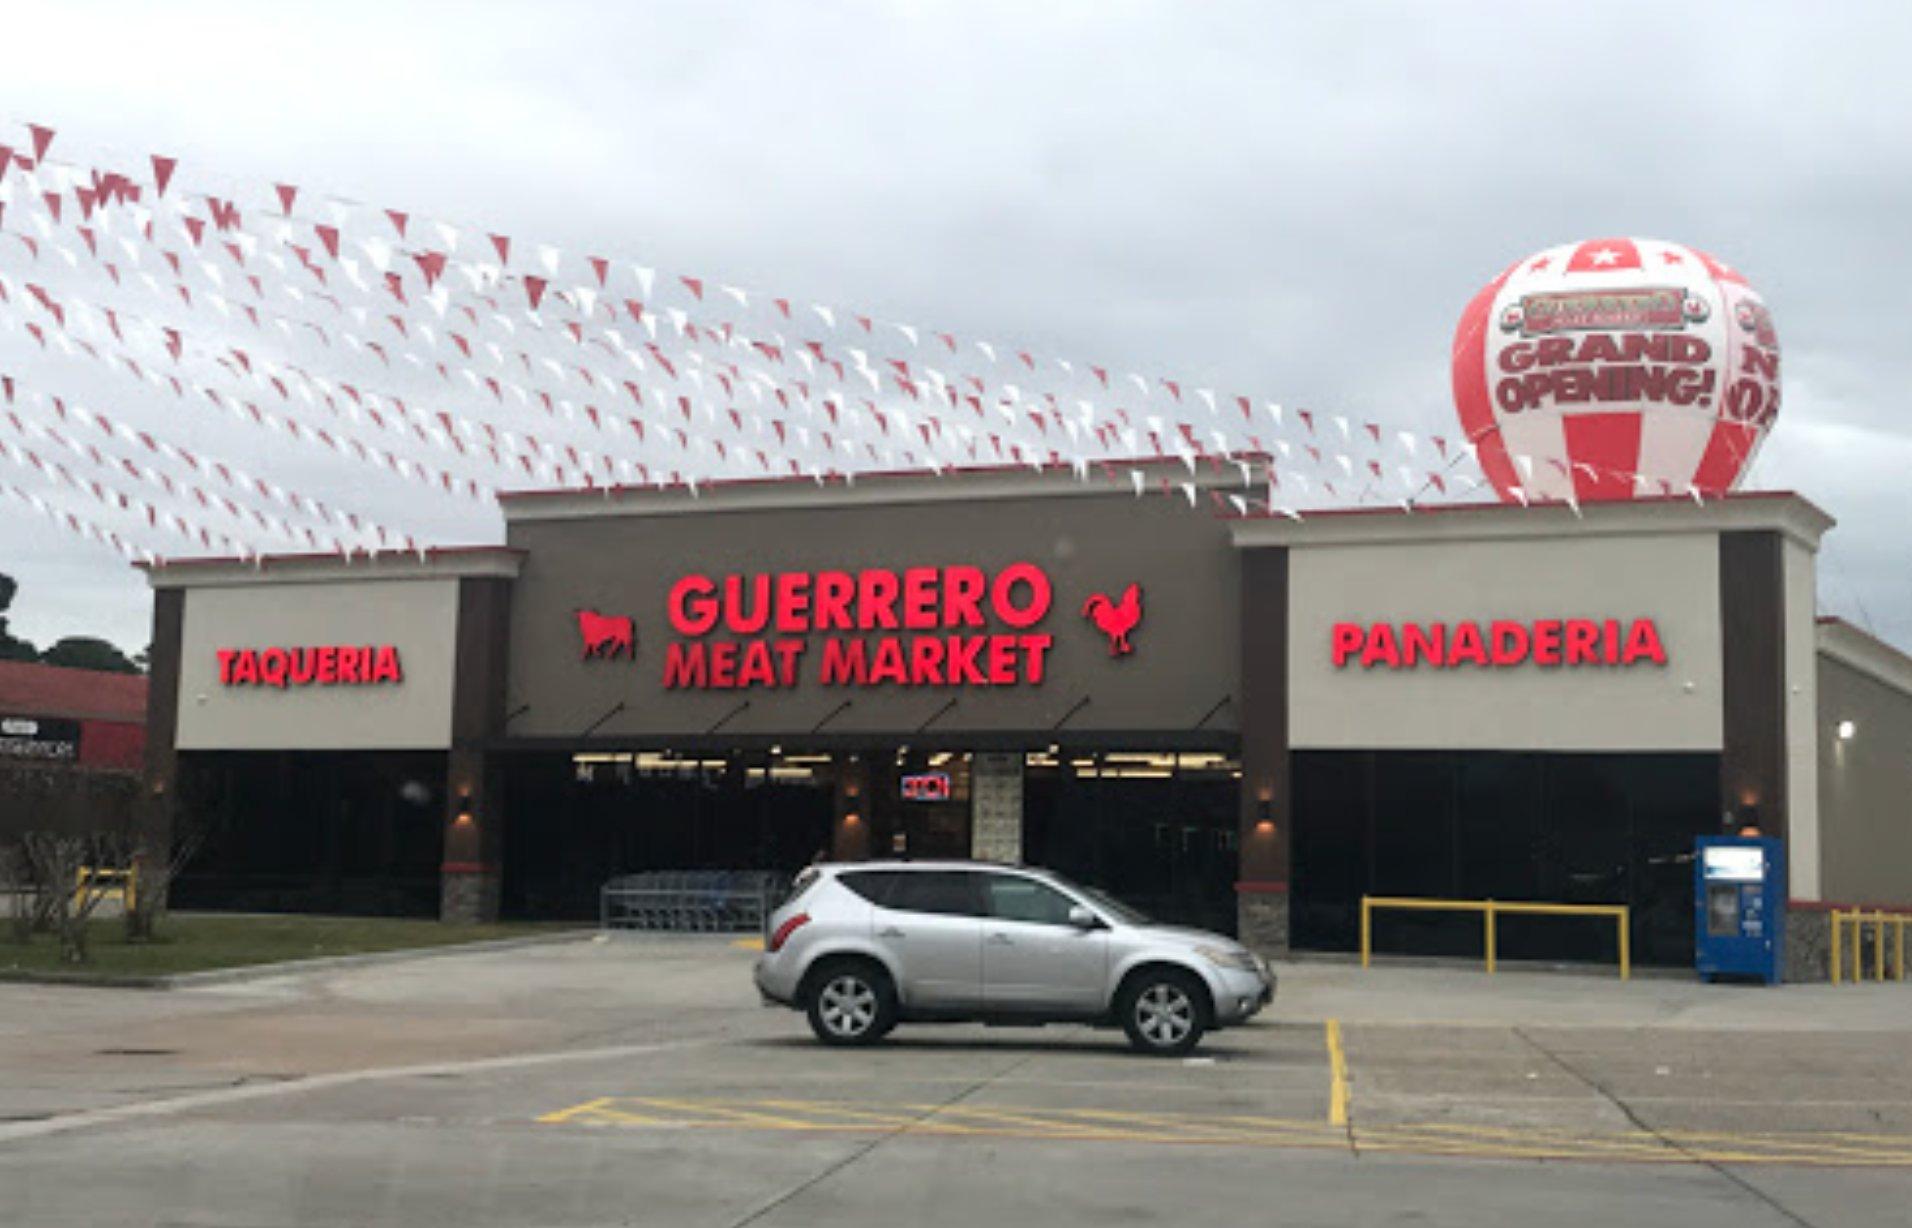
{"x":1616,"y":369}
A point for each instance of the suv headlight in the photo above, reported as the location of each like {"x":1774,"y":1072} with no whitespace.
{"x":1225,"y":957}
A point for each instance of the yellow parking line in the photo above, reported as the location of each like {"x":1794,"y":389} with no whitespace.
{"x":1829,"y":1150}
{"x":576,"y":1110}
{"x":853,"y":1115}
{"x":1338,"y":1074}
{"x":995,"y":1117}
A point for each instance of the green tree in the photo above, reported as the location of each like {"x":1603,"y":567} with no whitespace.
{"x":86,"y":652}
{"x":11,"y":649}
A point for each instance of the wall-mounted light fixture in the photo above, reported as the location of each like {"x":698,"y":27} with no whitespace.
{"x":1847,"y":729}
{"x":1265,"y":809}
{"x":850,"y":819}
{"x":465,"y":813}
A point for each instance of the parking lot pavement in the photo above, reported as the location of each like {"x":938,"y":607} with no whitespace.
{"x":638,"y":1081}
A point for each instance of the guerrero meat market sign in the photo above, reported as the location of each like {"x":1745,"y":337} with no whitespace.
{"x":919,"y":626}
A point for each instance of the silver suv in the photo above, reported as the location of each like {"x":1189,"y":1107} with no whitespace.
{"x":863,"y":946}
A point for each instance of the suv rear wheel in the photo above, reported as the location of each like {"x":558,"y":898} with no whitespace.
{"x":1164,"y":1011}
{"x":852,"y":1003}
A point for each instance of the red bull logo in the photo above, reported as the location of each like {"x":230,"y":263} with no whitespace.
{"x":606,"y":635}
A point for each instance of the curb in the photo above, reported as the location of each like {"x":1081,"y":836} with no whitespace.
{"x":289,"y":967}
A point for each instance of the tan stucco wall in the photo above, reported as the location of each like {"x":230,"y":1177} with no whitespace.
{"x":1673,"y":578}
{"x":420,"y":617}
{"x":1865,"y":788}
{"x":1803,"y":851}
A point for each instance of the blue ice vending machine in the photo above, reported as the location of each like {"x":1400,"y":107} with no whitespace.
{"x":1739,"y":907}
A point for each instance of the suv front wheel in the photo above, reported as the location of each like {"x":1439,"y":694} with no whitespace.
{"x":852,"y":1004}
{"x":1164,"y":1011}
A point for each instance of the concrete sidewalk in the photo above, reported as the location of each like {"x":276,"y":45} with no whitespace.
{"x":1405,"y":993}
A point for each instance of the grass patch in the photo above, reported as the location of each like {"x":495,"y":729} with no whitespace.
{"x":196,"y":942}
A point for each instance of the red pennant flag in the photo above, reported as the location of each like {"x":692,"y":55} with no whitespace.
{"x":601,"y":267}
{"x":163,"y":168}
{"x":503,"y":244}
{"x":287,"y":194}
{"x":329,"y":237}
{"x":534,"y":288}
{"x":42,"y":138}
{"x":694,"y":285}
{"x":6,"y":159}
{"x":54,"y":203}
{"x":399,"y":221}
{"x":432,"y":265}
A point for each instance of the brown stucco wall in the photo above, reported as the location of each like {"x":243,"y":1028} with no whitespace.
{"x":1184,"y":662}
{"x":1865,"y":788}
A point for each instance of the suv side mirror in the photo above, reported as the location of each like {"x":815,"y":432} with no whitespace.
{"x":1082,"y":918}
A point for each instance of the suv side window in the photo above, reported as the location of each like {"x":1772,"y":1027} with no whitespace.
{"x":873,"y":885}
{"x":947,"y":892}
{"x":1013,"y":898}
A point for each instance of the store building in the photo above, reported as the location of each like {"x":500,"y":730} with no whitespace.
{"x":1239,"y":723}
{"x":72,"y":743}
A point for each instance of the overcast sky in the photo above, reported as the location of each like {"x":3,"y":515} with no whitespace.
{"x":1289,"y":201}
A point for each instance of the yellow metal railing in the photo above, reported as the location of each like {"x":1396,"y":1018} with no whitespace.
{"x":1858,"y":919}
{"x":102,"y":882}
{"x":1490,"y":911}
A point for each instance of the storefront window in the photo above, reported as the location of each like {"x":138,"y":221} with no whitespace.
{"x":1574,"y":828}
{"x":1157,"y":829}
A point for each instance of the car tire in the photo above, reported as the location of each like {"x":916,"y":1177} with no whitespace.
{"x":851,"y":1002}
{"x":1163,"y":1010}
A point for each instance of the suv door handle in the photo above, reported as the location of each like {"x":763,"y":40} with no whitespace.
{"x":889,"y":931}
{"x":1001,"y":939}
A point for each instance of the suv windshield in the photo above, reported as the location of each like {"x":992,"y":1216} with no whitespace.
{"x":1114,"y":907}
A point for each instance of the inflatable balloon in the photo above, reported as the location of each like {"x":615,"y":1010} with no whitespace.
{"x":1616,"y":369}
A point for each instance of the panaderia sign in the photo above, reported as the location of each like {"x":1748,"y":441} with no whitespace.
{"x":1497,"y":644}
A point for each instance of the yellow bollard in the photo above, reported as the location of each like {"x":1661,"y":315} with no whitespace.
{"x":1367,"y":935}
{"x":1858,"y":949}
{"x":1899,"y":949}
{"x":1488,"y":914}
{"x":1626,"y":944}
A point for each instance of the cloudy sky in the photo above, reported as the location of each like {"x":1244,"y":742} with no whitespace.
{"x":1293,"y":201}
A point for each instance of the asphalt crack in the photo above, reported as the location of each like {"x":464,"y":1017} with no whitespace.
{"x":1641,"y":1124}
{"x":837,"y":1166}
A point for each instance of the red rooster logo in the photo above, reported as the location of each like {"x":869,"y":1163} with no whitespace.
{"x":1116,"y":619}
{"x":606,"y":635}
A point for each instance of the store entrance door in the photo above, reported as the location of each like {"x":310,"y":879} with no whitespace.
{"x":921,"y":803}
